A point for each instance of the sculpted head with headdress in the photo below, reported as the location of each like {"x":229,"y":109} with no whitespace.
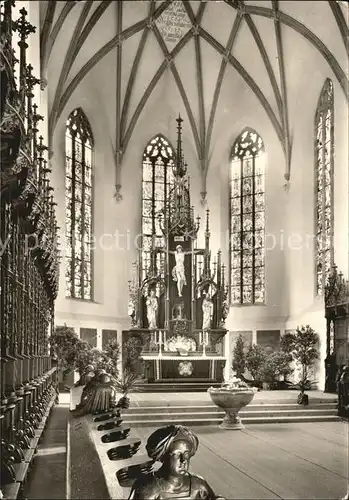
{"x":174,"y":445}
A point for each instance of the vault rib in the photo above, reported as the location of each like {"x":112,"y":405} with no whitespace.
{"x":250,"y":82}
{"x":118,"y":153}
{"x":98,"y":56}
{"x":285,"y":123}
{"x":341,"y":23}
{"x":169,"y":57}
{"x":134,"y":70}
{"x":66,"y":67}
{"x":217,"y":90}
{"x":266,"y":60}
{"x":291,"y":22}
{"x":45,"y":32}
{"x":45,"y":55}
{"x":199,"y":83}
{"x":102,"y":52}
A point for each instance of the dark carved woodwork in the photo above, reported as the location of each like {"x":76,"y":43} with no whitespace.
{"x":29,"y":259}
{"x":337,"y":327}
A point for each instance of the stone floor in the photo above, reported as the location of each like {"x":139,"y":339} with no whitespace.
{"x":287,"y":461}
{"x":47,"y":479}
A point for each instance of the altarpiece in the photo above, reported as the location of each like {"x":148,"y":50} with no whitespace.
{"x":178,"y":297}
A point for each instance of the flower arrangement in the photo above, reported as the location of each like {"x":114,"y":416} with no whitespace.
{"x":235,"y":384}
{"x":180,"y":343}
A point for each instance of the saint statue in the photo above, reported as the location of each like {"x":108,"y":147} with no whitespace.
{"x":207,"y":312}
{"x":173,"y":445}
{"x":152,"y":310}
{"x":178,"y":272}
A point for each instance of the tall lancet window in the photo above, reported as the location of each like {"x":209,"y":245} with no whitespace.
{"x":324,"y":186}
{"x":78,"y":207}
{"x":157,"y":177}
{"x":247,"y":210}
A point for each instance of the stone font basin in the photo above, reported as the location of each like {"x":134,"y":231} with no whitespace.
{"x":231,"y":401}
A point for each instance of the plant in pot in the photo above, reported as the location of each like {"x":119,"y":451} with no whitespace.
{"x":239,"y":358}
{"x":305,"y":351}
{"x":255,"y":358}
{"x":275,"y":366}
{"x":125,"y":385}
{"x":66,"y":345}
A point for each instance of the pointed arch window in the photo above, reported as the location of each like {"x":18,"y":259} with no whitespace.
{"x":78,"y":195}
{"x":247,"y":220}
{"x":324,"y":134}
{"x":157,"y":177}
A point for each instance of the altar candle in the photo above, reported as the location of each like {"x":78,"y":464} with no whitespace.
{"x":206,"y":339}
{"x":200,"y":338}
{"x":160,"y":336}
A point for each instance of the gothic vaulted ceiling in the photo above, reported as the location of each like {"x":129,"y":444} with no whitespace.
{"x":197,"y":41}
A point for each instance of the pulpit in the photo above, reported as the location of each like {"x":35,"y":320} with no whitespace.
{"x":178,"y":296}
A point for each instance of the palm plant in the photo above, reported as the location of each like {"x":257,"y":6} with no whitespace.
{"x":125,"y":385}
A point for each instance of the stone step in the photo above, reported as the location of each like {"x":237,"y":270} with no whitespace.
{"x":134,"y":410}
{"x":191,"y":422}
{"x":212,"y":414}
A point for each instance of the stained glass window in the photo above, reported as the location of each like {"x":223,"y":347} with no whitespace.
{"x":157,"y":178}
{"x":78,"y":196}
{"x":247,"y":220}
{"x":324,"y":186}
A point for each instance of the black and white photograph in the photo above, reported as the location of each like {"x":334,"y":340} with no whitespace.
{"x":174,"y":249}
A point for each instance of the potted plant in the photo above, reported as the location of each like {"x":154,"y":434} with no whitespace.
{"x":303,"y":346}
{"x":125,"y":385}
{"x":233,"y":395}
{"x":255,"y":358}
{"x":239,"y":358}
{"x":275,"y":366}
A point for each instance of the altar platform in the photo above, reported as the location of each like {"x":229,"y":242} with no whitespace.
{"x":261,"y":397}
{"x":196,"y":408}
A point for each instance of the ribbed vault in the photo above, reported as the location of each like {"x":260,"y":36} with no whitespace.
{"x":197,"y":41}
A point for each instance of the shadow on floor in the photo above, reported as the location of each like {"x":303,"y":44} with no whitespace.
{"x":47,"y":478}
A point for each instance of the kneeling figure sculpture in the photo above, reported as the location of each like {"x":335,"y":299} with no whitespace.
{"x":173,"y":445}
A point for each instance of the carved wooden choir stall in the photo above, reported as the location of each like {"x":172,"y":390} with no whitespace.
{"x":29,"y":262}
{"x":178,"y":298}
{"x":337,"y":321}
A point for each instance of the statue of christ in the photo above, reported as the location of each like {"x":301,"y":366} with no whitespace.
{"x":178,"y":272}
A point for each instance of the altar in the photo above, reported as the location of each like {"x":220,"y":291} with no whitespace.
{"x":178,"y":298}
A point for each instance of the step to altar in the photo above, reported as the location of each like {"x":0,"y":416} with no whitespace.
{"x":160,"y":409}
{"x":175,"y":386}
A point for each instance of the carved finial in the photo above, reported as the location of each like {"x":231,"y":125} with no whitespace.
{"x":180,"y":169}
{"x":207,"y":220}
{"x":23,"y":27}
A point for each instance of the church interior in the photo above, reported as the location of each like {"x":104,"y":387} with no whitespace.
{"x":174,"y":249}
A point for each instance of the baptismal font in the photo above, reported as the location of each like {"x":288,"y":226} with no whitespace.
{"x":177,"y":295}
